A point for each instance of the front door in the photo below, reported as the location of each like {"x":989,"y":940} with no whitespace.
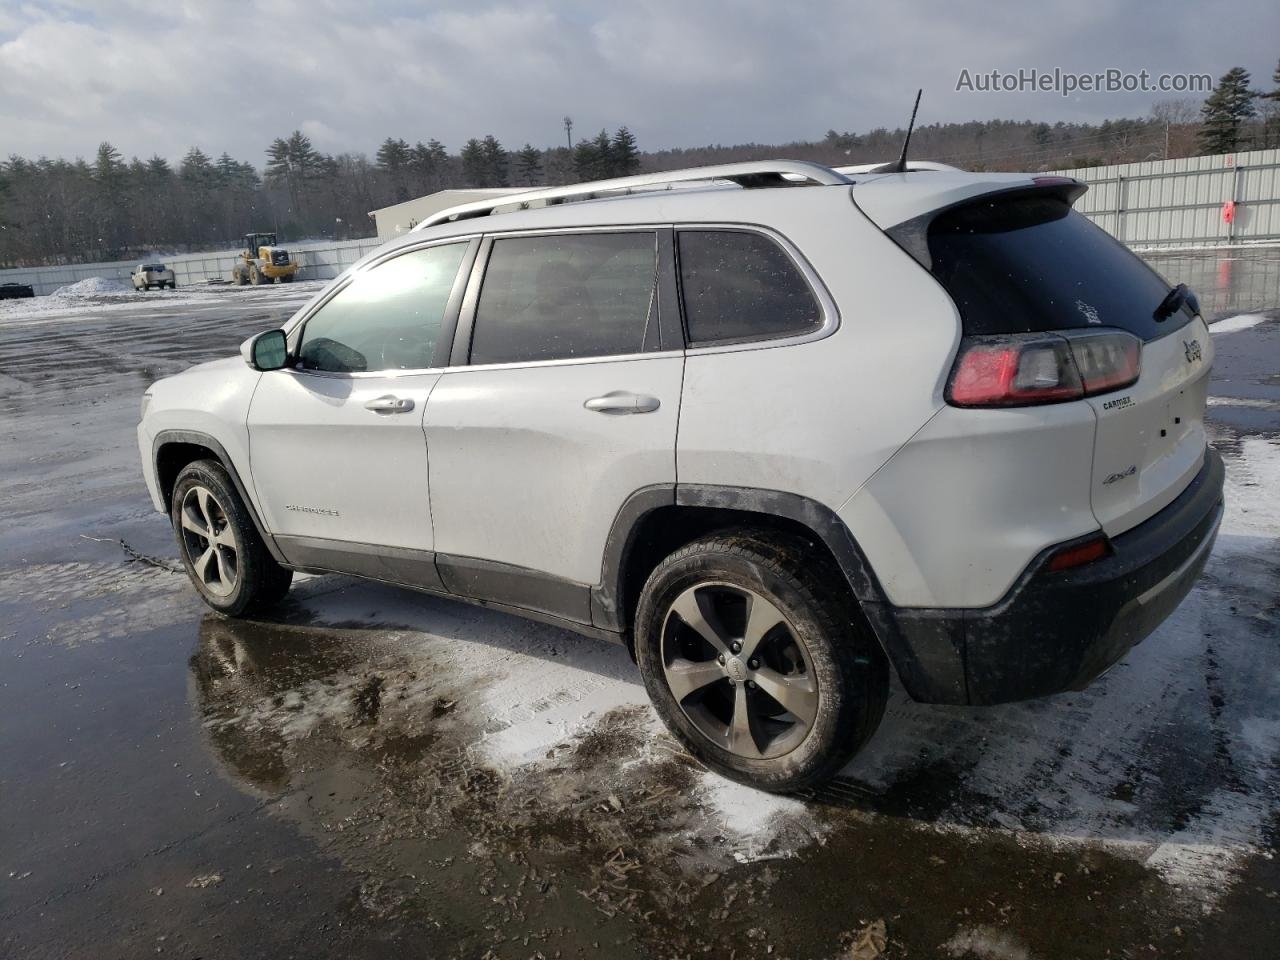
{"x":336,"y":445}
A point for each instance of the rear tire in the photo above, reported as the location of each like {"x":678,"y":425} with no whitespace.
{"x":224,"y":556}
{"x":255,"y":277}
{"x":772,"y":618}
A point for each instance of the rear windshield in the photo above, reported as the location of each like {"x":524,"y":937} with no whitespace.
{"x":154,"y":266}
{"x":1031,"y":263}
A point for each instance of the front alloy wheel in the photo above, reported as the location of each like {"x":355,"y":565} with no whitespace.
{"x":210,"y":543}
{"x":739,"y":670}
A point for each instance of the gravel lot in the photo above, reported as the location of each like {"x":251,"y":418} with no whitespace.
{"x":378,"y":773}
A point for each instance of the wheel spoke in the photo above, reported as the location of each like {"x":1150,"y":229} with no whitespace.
{"x":742,"y":739}
{"x":225,"y":576}
{"x":762,"y":617}
{"x":226,"y":538}
{"x":795,"y":693}
{"x":203,"y":498}
{"x":193,"y":524}
{"x":695,"y":611}
{"x":201,"y":564}
{"x":688,"y":676}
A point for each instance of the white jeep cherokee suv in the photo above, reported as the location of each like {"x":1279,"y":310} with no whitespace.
{"x":775,"y":427}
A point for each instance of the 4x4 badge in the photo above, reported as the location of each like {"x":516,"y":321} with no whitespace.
{"x":1193,"y":350}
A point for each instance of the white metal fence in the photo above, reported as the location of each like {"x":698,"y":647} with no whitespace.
{"x":318,"y":261}
{"x":1160,"y":204}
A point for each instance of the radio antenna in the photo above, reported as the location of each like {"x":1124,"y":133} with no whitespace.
{"x":900,"y":165}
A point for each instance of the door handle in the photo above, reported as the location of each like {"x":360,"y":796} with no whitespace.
{"x":390,"y":404}
{"x":619,"y":402}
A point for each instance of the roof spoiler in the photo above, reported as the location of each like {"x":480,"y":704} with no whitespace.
{"x":913,"y":235}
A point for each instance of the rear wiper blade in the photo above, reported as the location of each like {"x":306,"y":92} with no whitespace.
{"x":1173,"y":302}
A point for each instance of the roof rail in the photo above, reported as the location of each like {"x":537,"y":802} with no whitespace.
{"x":757,"y":173}
{"x":911,"y":165}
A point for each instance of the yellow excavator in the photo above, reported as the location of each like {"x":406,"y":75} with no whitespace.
{"x":261,"y":261}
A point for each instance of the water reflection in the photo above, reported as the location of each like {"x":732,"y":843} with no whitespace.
{"x":1226,"y":281}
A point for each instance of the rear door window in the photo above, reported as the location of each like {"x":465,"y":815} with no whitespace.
{"x":739,"y":286}
{"x":1031,"y":264}
{"x":567,"y":296}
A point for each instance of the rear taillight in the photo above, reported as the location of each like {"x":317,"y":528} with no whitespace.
{"x":1022,"y":369}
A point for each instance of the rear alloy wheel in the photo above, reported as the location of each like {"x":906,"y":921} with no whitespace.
{"x":221,"y":549}
{"x":758,"y":660}
{"x":748,"y":688}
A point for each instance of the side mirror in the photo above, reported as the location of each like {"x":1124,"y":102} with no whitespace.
{"x":266,"y":351}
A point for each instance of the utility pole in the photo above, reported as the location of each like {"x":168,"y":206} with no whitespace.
{"x":1166,"y":139}
{"x":568,"y":130}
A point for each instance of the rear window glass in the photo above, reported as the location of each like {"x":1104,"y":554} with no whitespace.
{"x":740,"y":286}
{"x":1030,"y":264}
{"x":566,"y":297}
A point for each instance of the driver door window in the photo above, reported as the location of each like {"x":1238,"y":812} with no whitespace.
{"x":387,"y":318}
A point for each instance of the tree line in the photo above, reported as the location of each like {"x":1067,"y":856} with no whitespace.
{"x":60,"y":211}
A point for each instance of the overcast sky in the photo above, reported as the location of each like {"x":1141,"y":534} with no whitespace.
{"x":160,"y":76}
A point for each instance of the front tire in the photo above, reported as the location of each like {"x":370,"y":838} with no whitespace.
{"x":221,"y":550}
{"x":758,"y":660}
{"x":255,"y":276}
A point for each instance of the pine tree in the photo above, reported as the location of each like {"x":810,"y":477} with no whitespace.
{"x":428,"y":163}
{"x":392,"y":159}
{"x":529,"y":165}
{"x":1225,"y":112}
{"x":294,"y":164}
{"x":624,"y":153}
{"x":473,"y":163}
{"x":196,"y":168}
{"x":108,"y":168}
{"x":604,"y":151}
{"x":495,"y":162}
{"x":159,"y":171}
{"x":586,"y":160}
{"x":277,"y":169}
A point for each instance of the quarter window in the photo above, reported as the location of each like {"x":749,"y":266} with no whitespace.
{"x":739,"y":285}
{"x":387,"y":318}
{"x":566,"y":296}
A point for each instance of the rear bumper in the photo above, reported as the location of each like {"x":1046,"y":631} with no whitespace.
{"x":1057,"y":631}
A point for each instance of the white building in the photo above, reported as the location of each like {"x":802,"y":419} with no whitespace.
{"x":402,"y":217}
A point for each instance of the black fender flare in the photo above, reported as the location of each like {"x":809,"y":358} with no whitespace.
{"x":197,"y":438}
{"x":929,"y":662}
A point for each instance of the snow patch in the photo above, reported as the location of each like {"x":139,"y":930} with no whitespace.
{"x":986,"y":943}
{"x":1242,"y":321}
{"x":747,"y":812}
{"x":93,"y":287}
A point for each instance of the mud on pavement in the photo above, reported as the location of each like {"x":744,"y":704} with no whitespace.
{"x":377,"y":773}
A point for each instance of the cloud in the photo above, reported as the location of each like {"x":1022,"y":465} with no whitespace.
{"x":160,"y":78}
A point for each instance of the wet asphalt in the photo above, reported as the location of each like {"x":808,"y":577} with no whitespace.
{"x":375,"y":773}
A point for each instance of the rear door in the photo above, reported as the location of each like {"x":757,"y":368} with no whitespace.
{"x":563,"y":403}
{"x":1029,"y":263}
